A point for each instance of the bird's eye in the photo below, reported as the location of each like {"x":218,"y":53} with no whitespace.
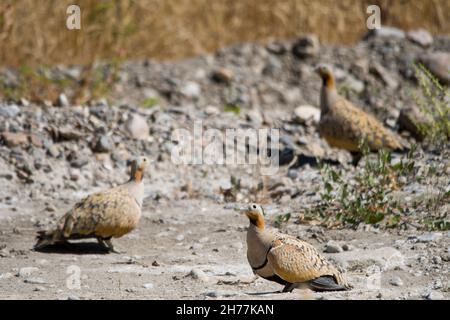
{"x":253,"y":206}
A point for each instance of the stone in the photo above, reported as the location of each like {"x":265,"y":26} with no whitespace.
{"x":429,"y":237}
{"x":306,"y":47}
{"x":411,"y":119}
{"x":222,"y":75}
{"x":63,"y":101}
{"x":104,"y":144}
{"x":137,"y":127}
{"x":353,"y":84}
{"x":27,"y":271}
{"x":385,"y":32}
{"x":437,"y":260}
{"x":347,"y":247}
{"x":438,"y":63}
{"x":9,"y":111}
{"x":433,"y":295}
{"x":396,"y":281}
{"x":198,"y":274}
{"x":54,"y":151}
{"x":148,"y":285}
{"x":191,"y":89}
{"x":35,"y":281}
{"x":12,"y":139}
{"x":333,"y":247}
{"x":420,"y":36}
{"x":276,"y":47}
{"x":384,"y":75}
{"x":255,"y":117}
{"x":307,"y":114}
{"x":79,"y":162}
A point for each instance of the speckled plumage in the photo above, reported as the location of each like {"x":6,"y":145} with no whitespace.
{"x":287,"y":260}
{"x":104,"y":215}
{"x":344,"y":126}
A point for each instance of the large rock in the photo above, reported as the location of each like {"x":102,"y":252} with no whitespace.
{"x":411,"y":119}
{"x":9,"y":111}
{"x":385,"y":32}
{"x":306,"y":47}
{"x":438,"y":63}
{"x":12,"y":139}
{"x":137,"y":127}
{"x":420,"y":36}
{"x":307,"y":114}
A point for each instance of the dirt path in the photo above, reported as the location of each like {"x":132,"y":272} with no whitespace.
{"x":196,"y":249}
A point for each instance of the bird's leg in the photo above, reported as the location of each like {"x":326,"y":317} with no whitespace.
{"x":110,"y":246}
{"x":289,"y":287}
{"x":102,"y":243}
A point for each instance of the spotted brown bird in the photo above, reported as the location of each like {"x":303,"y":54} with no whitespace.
{"x":287,"y":260}
{"x":345,"y":126}
{"x":104,"y":215}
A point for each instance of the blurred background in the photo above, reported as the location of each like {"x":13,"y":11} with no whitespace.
{"x":33,"y":33}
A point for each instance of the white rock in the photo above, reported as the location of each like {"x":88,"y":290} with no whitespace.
{"x":191,"y":89}
{"x":429,"y":237}
{"x":63,"y":101}
{"x":433,"y":295}
{"x":148,"y":285}
{"x":396,"y":281}
{"x":307,"y":113}
{"x":421,"y":37}
{"x":198,"y":274}
{"x":137,"y":127}
{"x":333,"y":247}
{"x":27,"y":271}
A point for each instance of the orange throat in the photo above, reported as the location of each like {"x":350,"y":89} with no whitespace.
{"x":138,"y":175}
{"x":258,"y":222}
{"x":328,"y":81}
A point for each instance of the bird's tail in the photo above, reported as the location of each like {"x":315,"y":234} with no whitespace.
{"x":46,"y":238}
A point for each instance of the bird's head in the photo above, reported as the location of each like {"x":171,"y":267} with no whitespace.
{"x":255,"y":214}
{"x":138,"y":166}
{"x":324,"y":71}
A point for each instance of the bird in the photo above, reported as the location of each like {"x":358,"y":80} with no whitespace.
{"x":345,"y":126}
{"x":287,"y":260}
{"x":103,"y":215}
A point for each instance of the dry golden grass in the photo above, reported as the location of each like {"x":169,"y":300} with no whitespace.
{"x":33,"y":32}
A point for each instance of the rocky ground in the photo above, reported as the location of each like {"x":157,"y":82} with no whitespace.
{"x":190,"y":243}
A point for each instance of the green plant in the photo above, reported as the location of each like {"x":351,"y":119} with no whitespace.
{"x":366,"y":197}
{"x":282,"y":218}
{"x":435,"y":103}
{"x":149,"y":103}
{"x":232,"y":108}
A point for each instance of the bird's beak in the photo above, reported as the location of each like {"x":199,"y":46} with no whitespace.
{"x":242,"y":210}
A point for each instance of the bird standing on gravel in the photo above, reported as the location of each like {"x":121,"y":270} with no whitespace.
{"x":345,"y":126}
{"x":104,"y":215}
{"x":287,"y":260}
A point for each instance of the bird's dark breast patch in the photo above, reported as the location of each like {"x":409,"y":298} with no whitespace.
{"x":277,"y":279}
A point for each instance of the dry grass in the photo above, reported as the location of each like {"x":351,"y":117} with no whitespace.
{"x":33,"y":32}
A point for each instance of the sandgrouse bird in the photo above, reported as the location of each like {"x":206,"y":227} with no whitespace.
{"x":345,"y":126}
{"x":104,"y":215}
{"x":287,"y":260}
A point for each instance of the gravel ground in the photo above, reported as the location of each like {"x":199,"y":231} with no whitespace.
{"x":190,"y":243}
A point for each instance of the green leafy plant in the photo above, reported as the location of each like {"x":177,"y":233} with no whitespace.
{"x":435,"y":103}
{"x":282,"y":218}
{"x":232,"y":108}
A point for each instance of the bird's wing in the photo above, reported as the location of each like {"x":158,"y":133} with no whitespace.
{"x":99,"y":214}
{"x":295,"y":261}
{"x":356,"y":125}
